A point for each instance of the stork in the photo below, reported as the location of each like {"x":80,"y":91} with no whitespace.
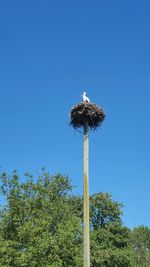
{"x":85,"y":98}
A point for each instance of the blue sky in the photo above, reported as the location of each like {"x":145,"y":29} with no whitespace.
{"x":50,"y":52}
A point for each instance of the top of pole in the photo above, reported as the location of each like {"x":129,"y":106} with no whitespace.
{"x":86,"y":112}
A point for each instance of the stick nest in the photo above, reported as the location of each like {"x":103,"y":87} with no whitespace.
{"x":87,"y":113}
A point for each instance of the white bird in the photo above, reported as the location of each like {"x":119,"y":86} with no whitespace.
{"x":85,"y":98}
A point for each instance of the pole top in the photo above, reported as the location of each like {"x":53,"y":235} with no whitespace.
{"x":86,"y":112}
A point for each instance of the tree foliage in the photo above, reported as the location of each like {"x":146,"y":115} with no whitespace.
{"x":41,"y":225}
{"x":141,"y":245}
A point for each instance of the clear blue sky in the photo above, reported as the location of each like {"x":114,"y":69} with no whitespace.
{"x":50,"y":51}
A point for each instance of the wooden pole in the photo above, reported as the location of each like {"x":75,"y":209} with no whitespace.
{"x":86,"y":236}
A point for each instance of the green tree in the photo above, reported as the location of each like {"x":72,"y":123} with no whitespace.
{"x":38,"y":226}
{"x":41,"y":225}
{"x":141,"y":245}
{"x":110,"y":240}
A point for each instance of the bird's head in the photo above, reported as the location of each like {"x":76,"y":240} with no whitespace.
{"x":84,"y":93}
